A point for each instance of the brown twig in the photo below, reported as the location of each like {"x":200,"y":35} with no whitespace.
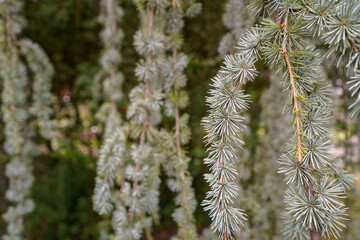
{"x":314,"y":232}
{"x":353,"y":47}
{"x":297,"y":108}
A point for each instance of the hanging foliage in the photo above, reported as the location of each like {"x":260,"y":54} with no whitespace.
{"x":112,"y":150}
{"x":176,"y":160}
{"x":140,"y":189}
{"x":224,"y":126}
{"x":26,"y":73}
{"x":315,"y":190}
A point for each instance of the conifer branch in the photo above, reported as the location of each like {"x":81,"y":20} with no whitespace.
{"x":17,"y":191}
{"x":175,"y":159}
{"x":145,"y":123}
{"x":297,"y":109}
{"x":140,"y":191}
{"x":110,"y":171}
{"x":224,"y":126}
{"x":22,"y":118}
{"x":285,"y":51}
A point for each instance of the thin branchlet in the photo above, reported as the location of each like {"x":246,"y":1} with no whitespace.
{"x":140,"y":190}
{"x":173,"y":141}
{"x":296,"y":103}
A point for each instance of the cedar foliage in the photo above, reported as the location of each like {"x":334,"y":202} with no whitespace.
{"x":316,"y":186}
{"x":26,"y":111}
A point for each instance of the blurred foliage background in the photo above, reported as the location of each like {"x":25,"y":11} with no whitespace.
{"x":64,"y":175}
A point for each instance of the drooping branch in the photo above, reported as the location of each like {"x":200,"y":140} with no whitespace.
{"x":173,"y":140}
{"x":26,"y":72}
{"x":140,"y":190}
{"x":145,"y":123}
{"x":297,"y":108}
{"x":111,"y":156}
